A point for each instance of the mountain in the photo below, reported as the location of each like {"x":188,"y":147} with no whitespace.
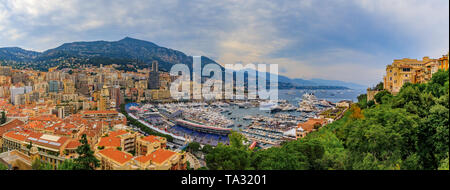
{"x":338,"y":83}
{"x":128,"y":51}
{"x":17,"y":54}
{"x":320,"y":83}
{"x":287,"y":83}
{"x":303,"y":82}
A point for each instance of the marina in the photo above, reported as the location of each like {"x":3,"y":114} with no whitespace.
{"x":266,"y":123}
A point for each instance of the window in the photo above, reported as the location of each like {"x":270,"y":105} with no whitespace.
{"x":406,"y":69}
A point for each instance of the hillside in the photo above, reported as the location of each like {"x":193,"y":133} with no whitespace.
{"x":129,"y":52}
{"x":407,"y":131}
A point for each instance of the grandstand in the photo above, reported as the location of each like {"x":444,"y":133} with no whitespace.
{"x":200,"y":137}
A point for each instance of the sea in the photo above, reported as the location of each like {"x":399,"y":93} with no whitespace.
{"x":293,"y":97}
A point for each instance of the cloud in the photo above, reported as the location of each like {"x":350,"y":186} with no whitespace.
{"x":351,"y":40}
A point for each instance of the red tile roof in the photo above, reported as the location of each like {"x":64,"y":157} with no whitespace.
{"x":36,"y":138}
{"x":109,"y":142}
{"x":151,"y":139}
{"x":161,"y":155}
{"x":116,"y":155}
{"x":73,"y":144}
{"x":10,"y":125}
{"x":117,"y":133}
{"x":100,"y":112}
{"x":309,"y":125}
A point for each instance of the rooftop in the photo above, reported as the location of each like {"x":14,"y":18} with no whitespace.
{"x":110,"y":141}
{"x":116,"y":155}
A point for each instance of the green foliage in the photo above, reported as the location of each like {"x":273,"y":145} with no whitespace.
{"x":194,"y":146}
{"x":188,"y":165}
{"x":86,"y":159}
{"x":280,"y":159}
{"x":379,"y":86}
{"x":207,"y":148}
{"x":30,"y":145}
{"x":3,"y":118}
{"x":3,"y":167}
{"x":382,"y":97}
{"x":407,"y":131}
{"x":236,"y":156}
{"x":38,"y":164}
{"x":202,"y":168}
{"x":362,"y":101}
{"x":370,"y":103}
{"x":68,"y":164}
{"x":228,"y":158}
{"x":237,"y":139}
{"x":444,"y":164}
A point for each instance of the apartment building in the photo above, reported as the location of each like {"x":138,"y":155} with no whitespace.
{"x":150,"y":153}
{"x":407,"y":70}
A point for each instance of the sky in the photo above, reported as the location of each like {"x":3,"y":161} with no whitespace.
{"x":348,"y":40}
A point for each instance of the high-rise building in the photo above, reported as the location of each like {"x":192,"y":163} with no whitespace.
{"x":15,"y":91}
{"x":153,"y":77}
{"x":69,"y":87}
{"x":6,"y":70}
{"x":103,"y":101}
{"x":18,"y":77}
{"x":53,"y":86}
{"x":116,"y":95}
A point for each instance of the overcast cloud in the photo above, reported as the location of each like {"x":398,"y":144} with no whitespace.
{"x":350,"y":40}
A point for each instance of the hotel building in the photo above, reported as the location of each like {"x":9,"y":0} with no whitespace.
{"x":414,"y":71}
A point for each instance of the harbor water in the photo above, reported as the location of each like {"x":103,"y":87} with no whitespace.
{"x":293,"y":97}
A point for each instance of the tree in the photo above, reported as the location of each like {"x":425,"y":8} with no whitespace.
{"x":188,"y":165}
{"x":379,"y":86}
{"x":194,"y":146}
{"x":3,"y":167}
{"x":236,"y":156}
{"x":362,"y":101}
{"x":279,"y":159}
{"x":86,"y":159}
{"x":207,"y":148}
{"x":444,"y":165}
{"x":38,"y":164}
{"x":370,"y":103}
{"x":225,"y":157}
{"x":3,"y":118}
{"x":294,"y":155}
{"x":356,"y":112}
{"x":30,"y":145}
{"x":68,"y":164}
{"x":382,"y":97}
{"x":237,"y":140}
